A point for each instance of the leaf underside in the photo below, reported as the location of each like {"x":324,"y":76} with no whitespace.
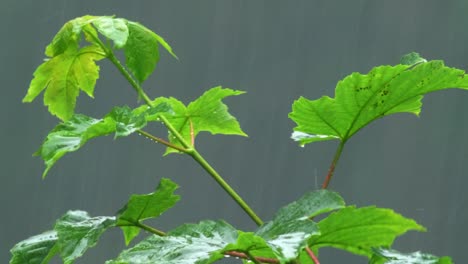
{"x":363,"y":98}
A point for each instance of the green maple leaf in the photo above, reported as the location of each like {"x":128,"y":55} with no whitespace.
{"x":200,"y":243}
{"x":358,"y":230}
{"x":363,"y":98}
{"x":141,"y":50}
{"x":146,"y":206}
{"x":63,"y":76}
{"x":70,"y":68}
{"x":207,"y":113}
{"x":39,"y":249}
{"x":72,"y":134}
{"x":77,"y":232}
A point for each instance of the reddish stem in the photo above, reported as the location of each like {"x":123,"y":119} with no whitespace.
{"x":244,"y":256}
{"x":312,"y":255}
{"x":333,"y":165}
{"x":162,"y":141}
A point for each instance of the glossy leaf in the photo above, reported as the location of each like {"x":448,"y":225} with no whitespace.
{"x":292,"y":226}
{"x":73,"y":134}
{"x":363,"y":98}
{"x":191,"y":243}
{"x":63,"y":76}
{"x":390,"y":256}
{"x":296,"y":215}
{"x":77,"y":232}
{"x":142,"y":207}
{"x":254,"y":246}
{"x":38,"y":249}
{"x":358,"y":230}
{"x":207,"y":113}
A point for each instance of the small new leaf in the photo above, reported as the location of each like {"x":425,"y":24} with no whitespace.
{"x":142,"y":207}
{"x":363,"y":98}
{"x":207,"y":113}
{"x":77,"y":232}
{"x":188,"y":244}
{"x":38,"y":249}
{"x":358,"y":230}
{"x":390,"y":256}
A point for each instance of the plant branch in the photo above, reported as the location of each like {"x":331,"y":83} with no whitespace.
{"x":111,"y":56}
{"x":333,"y":165}
{"x":244,"y":256}
{"x":162,"y":141}
{"x":212,"y":172}
{"x":188,"y":148}
{"x":312,"y":255}
{"x":252,"y":258}
{"x":129,"y":78}
{"x":198,"y":158}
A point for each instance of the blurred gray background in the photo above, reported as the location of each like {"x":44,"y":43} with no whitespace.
{"x":276,"y":51}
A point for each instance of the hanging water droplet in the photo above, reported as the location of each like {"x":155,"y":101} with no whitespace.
{"x":227,"y":256}
{"x":302,"y":145}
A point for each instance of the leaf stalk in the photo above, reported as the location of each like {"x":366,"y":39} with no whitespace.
{"x":312,"y":255}
{"x":331,"y":170}
{"x":162,"y":141}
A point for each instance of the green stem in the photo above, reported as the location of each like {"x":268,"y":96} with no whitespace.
{"x":110,"y":55}
{"x":129,"y":78}
{"x":150,"y":229}
{"x":212,"y":172}
{"x":333,"y":165}
{"x":188,"y":148}
{"x":176,"y":133}
{"x":144,"y":227}
{"x":198,"y":158}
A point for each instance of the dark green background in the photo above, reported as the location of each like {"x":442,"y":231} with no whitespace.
{"x":276,"y":51}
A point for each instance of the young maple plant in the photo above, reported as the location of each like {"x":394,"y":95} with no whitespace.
{"x":293,"y":235}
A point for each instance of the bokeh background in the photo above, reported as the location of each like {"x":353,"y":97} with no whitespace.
{"x":276,"y":51}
